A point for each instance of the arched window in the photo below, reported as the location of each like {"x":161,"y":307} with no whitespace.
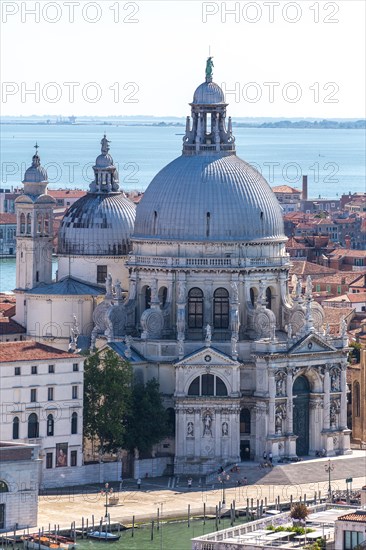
{"x":171,"y":421}
{"x":269,"y":298}
{"x":74,"y":423}
{"x":50,"y":425}
{"x":147,"y":297}
{"x":245,"y":421}
{"x":39,"y":223}
{"x":208,"y":385}
{"x":3,"y":487}
{"x":221,"y":308}
{"x":46,"y":225}
{"x":195,"y":308}
{"x":163,"y":293}
{"x":16,"y":427}
{"x":33,"y":426}
{"x":22,"y":223}
{"x":356,"y":399}
{"x":29,"y":224}
{"x":253,"y":296}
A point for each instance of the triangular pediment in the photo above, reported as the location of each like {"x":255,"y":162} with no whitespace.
{"x":311,"y":343}
{"x":207,"y":356}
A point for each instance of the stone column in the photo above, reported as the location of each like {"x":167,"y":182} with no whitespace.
{"x":326,"y":399}
{"x":272,"y":395}
{"x":197,"y":433}
{"x":289,"y":384}
{"x":343,"y":412}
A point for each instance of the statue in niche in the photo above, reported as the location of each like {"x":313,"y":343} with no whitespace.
{"x":207,"y":424}
{"x":225,"y":428}
{"x":334,"y":381}
{"x":280,"y":416}
{"x":190,"y":429}
{"x":279,"y":386}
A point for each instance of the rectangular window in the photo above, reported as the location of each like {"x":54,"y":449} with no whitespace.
{"x":74,"y":392}
{"x":328,"y":288}
{"x":34,"y":370}
{"x":33,"y":395}
{"x":49,"y":460}
{"x":50,"y":394}
{"x":339,"y":289}
{"x":73,"y":458}
{"x":51,"y":369}
{"x":75,"y":367}
{"x":37,"y":276}
{"x":318,"y":288}
{"x":352,"y":539}
{"x":101,"y":274}
{"x":17,"y":371}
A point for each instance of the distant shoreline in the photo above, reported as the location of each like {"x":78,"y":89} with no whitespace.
{"x":282,"y":124}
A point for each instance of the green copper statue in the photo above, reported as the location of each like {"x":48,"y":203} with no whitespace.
{"x":209,"y":67}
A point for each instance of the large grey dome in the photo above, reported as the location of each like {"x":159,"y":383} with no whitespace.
{"x":208,"y":93}
{"x":97,"y":224}
{"x":215,"y":197}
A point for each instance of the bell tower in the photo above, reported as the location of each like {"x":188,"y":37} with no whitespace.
{"x":34,"y":210}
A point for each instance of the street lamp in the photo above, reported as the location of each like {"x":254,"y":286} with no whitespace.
{"x":107,"y":492}
{"x":329,"y":467}
{"x":222,"y":478}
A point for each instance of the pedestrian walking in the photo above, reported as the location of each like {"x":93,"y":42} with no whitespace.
{"x":245,"y":481}
{"x":264,"y":455}
{"x":270,"y":456}
{"x":139,"y":483}
{"x":189,"y":481}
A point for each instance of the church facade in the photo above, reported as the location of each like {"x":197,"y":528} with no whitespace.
{"x":246,"y":366}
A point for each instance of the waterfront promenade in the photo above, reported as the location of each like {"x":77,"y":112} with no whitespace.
{"x":297,"y":479}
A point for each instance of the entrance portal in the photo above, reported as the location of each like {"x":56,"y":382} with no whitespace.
{"x":301,"y":392}
{"x":244,"y":450}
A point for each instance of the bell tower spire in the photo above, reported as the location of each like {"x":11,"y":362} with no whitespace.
{"x":34,"y":210}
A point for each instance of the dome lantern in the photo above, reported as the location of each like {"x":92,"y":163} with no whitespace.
{"x":208,"y":132}
{"x":106,"y":178}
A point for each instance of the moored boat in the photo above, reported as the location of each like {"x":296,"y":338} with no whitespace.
{"x":45,"y":542}
{"x":103,"y":536}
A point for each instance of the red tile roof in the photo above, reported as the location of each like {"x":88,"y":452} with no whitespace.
{"x":304,"y":268}
{"x":66,"y":193}
{"x":285,"y":189}
{"x":6,"y":218}
{"x":7,"y":310}
{"x":356,"y":297}
{"x":359,"y":516}
{"x":31,"y":351}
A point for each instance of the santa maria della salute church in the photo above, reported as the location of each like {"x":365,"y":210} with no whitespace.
{"x":192,"y":287}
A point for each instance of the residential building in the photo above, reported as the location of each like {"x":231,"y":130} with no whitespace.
{"x":41,"y":392}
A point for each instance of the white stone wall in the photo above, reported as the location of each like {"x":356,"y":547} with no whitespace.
{"x":21,"y":502}
{"x":15,"y":399}
{"x":85,"y":268}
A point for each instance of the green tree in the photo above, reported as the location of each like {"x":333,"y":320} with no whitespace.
{"x":147,"y":423}
{"x":107,"y":399}
{"x":355,"y":352}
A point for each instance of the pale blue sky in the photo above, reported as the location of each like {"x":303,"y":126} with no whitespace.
{"x":164,"y":54}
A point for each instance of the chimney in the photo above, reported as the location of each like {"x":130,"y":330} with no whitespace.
{"x":348,"y":241}
{"x":304,"y":188}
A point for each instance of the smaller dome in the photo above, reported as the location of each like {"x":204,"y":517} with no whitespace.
{"x":208,"y":93}
{"x":35,"y":173}
{"x":104,"y":161}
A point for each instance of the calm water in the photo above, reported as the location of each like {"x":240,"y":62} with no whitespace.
{"x":7,"y":273}
{"x":333,"y":159}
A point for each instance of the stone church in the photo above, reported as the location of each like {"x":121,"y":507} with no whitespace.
{"x":243,"y":365}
